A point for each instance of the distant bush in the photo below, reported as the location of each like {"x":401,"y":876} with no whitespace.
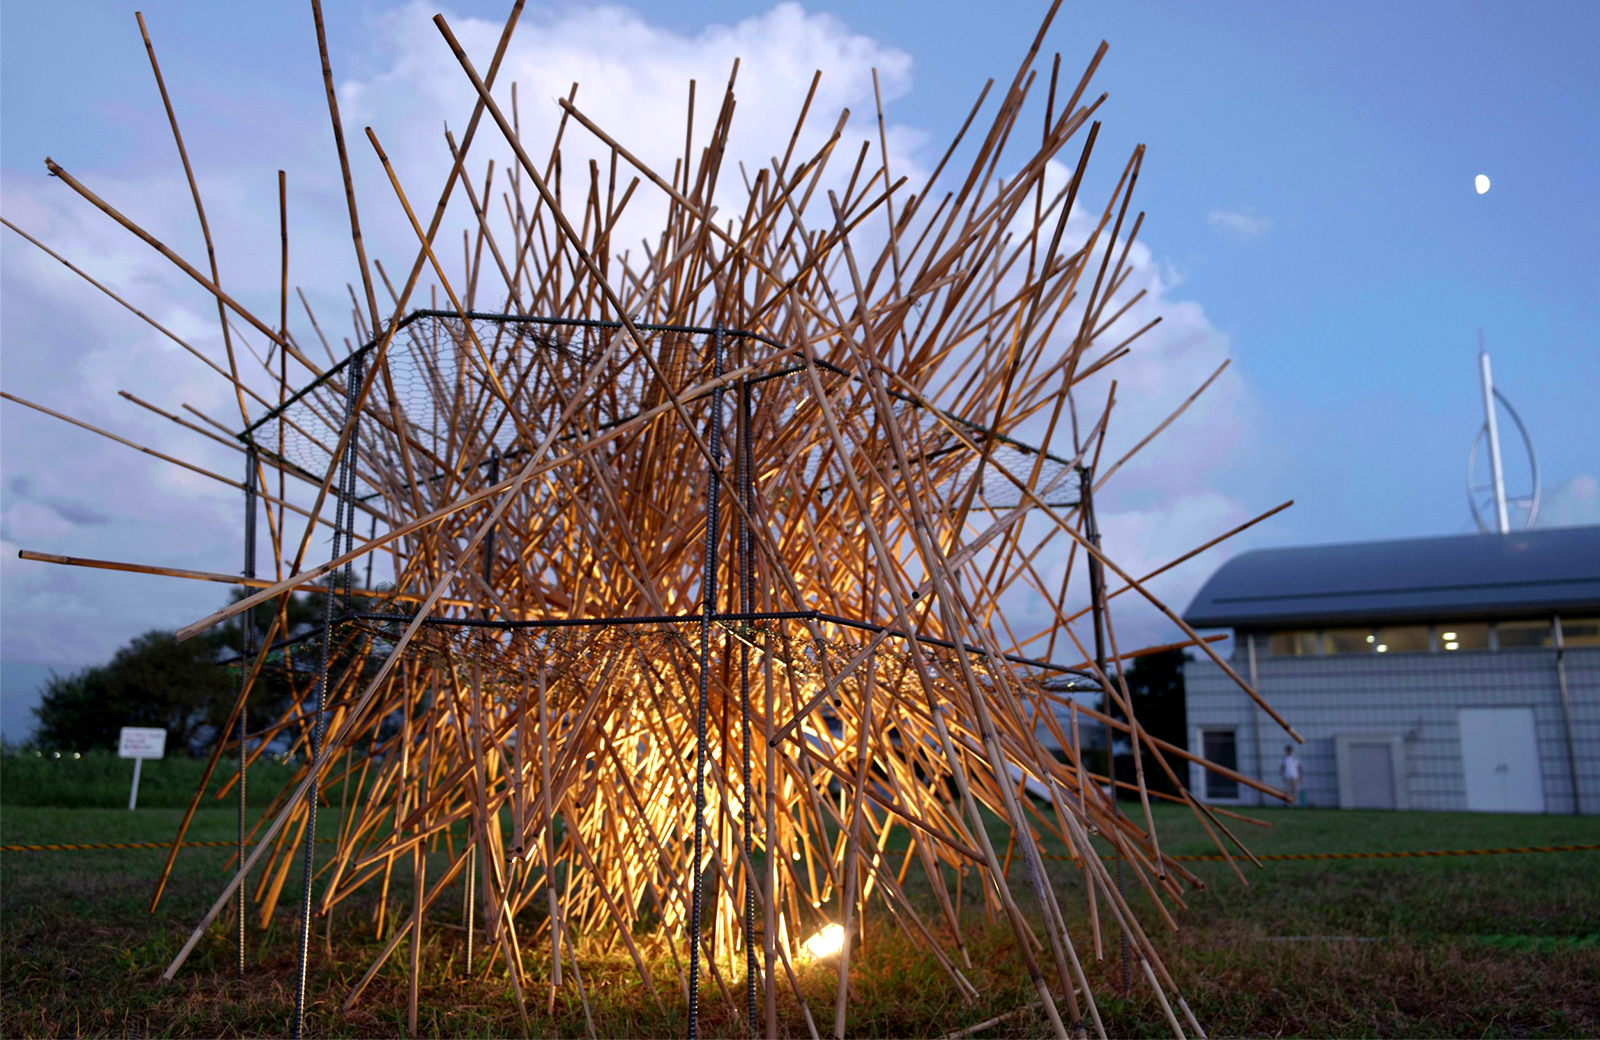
{"x":99,"y":779}
{"x":187,"y":688}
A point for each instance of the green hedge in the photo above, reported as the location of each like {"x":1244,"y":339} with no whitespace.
{"x":100,"y":779}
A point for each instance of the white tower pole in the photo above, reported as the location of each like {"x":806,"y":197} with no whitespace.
{"x":1501,"y":517}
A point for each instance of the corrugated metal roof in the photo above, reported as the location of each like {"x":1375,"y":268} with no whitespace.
{"x":1460,"y":576}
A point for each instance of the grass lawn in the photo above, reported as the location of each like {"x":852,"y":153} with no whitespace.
{"x":1479,"y":946}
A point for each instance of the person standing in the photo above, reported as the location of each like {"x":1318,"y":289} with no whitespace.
{"x":1290,"y":769}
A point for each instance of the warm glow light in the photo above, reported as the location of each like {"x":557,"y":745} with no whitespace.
{"x":1452,"y":646}
{"x":826,"y":943}
{"x":1481,"y":183}
{"x":1449,"y":635}
{"x":1372,"y":639}
{"x":1382,"y":648}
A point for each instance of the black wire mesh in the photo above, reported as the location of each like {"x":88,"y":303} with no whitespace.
{"x":445,"y":385}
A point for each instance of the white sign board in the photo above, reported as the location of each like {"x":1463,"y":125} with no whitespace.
{"x":137,"y":742}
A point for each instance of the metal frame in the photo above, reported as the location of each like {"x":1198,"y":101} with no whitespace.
{"x":345,"y":502}
{"x":1497,"y":479}
{"x":247,"y":435}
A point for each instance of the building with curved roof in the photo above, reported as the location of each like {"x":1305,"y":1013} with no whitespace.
{"x":1458,"y":672}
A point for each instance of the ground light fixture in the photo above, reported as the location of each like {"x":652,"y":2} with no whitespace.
{"x":826,"y":943}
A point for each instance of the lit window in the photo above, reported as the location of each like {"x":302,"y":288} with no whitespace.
{"x":1402,"y":639}
{"x":1349,"y":640}
{"x":1464,"y":635}
{"x":1517,"y":635}
{"x":1580,"y":631}
{"x":1293,"y":644}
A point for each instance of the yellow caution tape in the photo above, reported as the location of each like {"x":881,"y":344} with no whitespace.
{"x":1264,"y":857}
{"x":1282,"y":856}
{"x":130,"y":845}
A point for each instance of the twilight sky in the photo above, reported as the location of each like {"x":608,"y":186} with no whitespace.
{"x":1308,"y":184}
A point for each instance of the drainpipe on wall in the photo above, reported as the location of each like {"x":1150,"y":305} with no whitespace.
{"x":1255,"y":716}
{"x":1566,"y":717}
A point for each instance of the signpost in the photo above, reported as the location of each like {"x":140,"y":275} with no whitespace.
{"x":138,"y":743}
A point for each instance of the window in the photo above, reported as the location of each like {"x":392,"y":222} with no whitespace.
{"x":1293,"y":644}
{"x":1464,"y":635}
{"x":1218,"y":745}
{"x":1580,"y":631}
{"x":1349,"y":640}
{"x":1515,"y":635}
{"x":1401,"y":639}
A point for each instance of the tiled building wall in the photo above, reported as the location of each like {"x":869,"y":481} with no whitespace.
{"x":1415,"y":696}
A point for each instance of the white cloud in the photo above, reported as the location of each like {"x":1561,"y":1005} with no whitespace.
{"x":34,"y":521}
{"x":70,"y":348}
{"x":1571,"y":503}
{"x":633,"y":82}
{"x":1238,"y":225}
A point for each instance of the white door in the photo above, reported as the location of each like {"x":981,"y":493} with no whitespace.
{"x":1500,"y":754}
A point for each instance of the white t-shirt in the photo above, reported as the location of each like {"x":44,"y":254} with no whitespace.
{"x":1291,"y":767}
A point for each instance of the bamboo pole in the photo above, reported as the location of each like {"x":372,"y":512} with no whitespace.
{"x":527,"y":677}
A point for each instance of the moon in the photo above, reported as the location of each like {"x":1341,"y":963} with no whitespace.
{"x":1481,"y":182}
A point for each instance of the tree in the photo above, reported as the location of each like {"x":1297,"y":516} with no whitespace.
{"x":152,"y":681}
{"x":186,"y":688}
{"x":1155,"y":682}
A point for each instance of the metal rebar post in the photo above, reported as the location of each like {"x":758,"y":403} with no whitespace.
{"x":468,"y":918}
{"x":345,"y":478}
{"x":349,"y":477}
{"x":372,"y":535}
{"x":1097,"y":598}
{"x":488,"y":539}
{"x":1566,"y":714}
{"x":708,"y":607}
{"x":745,"y":605}
{"x":247,"y":648}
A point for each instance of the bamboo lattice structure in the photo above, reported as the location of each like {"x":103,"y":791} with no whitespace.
{"x":699,"y":560}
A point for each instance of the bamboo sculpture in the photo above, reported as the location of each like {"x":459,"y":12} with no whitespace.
{"x":699,"y":559}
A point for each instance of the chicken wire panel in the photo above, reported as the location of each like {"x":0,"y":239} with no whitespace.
{"x":942,"y":449}
{"x":657,"y":662}
{"x":446,"y":382}
{"x":445,"y":386}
